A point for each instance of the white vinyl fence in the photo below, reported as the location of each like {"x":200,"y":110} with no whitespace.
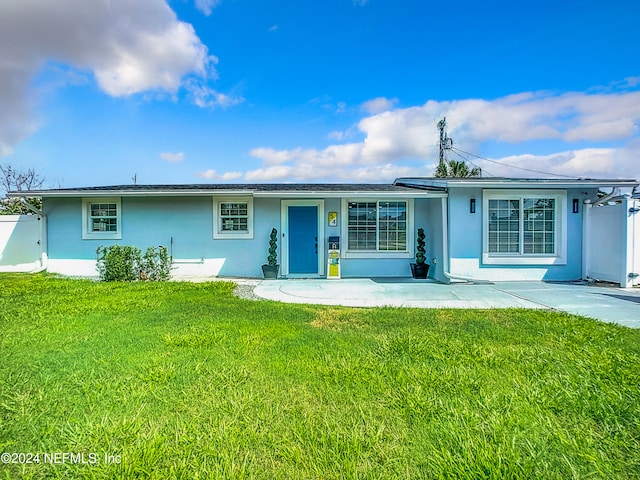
{"x":612,"y":242}
{"x":22,"y":243}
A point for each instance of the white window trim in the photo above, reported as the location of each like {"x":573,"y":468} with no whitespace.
{"x":560,"y":229}
{"x":87,"y":233}
{"x":344,"y":241}
{"x":218,"y":233}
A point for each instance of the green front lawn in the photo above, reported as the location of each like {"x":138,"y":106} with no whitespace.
{"x":179,"y":380}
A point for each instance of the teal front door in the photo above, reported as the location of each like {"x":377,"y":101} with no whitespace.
{"x":303,"y":239}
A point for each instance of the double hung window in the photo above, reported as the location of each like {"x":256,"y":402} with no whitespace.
{"x":101,"y":218}
{"x":377,"y":226}
{"x":528,"y":226}
{"x":233,"y":218}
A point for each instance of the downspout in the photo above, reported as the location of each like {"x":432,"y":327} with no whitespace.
{"x":42,"y":242}
{"x":30,"y":207}
{"x":445,"y":236}
{"x":615,"y":192}
{"x":632,"y":229}
{"x":586,"y":236}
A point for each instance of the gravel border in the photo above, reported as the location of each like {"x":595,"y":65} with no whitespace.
{"x":246,"y":292}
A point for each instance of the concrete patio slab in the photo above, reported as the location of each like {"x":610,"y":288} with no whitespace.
{"x":616,"y":305}
{"x":609,"y":304}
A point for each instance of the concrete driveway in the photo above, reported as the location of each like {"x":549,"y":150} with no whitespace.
{"x":607,"y":304}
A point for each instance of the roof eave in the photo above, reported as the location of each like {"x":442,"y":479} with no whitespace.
{"x":409,"y":192}
{"x":129,"y":193}
{"x":514,"y":183}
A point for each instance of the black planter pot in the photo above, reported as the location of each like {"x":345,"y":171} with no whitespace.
{"x":419,"y":270}
{"x":270,"y":271}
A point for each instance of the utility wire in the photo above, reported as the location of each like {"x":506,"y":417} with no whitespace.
{"x":466,"y":159}
{"x":511,"y":166}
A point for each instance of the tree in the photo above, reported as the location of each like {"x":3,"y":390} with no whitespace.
{"x":15,"y":180}
{"x":456,"y":169}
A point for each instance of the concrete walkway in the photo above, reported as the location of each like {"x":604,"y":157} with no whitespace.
{"x":607,"y":304}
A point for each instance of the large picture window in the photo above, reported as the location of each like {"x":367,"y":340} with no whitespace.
{"x":233,"y":218}
{"x":101,"y":218}
{"x":528,"y":225}
{"x":377,"y":226}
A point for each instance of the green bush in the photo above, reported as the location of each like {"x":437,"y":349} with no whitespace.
{"x":127,"y":264}
{"x":156,"y":264}
{"x":420,"y":250}
{"x":272,"y":259}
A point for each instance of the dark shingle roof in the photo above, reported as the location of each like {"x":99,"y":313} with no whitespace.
{"x":203,"y":189}
{"x":255,"y":187}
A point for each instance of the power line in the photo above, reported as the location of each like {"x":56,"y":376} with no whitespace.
{"x":484,"y":170}
{"x":512,"y":166}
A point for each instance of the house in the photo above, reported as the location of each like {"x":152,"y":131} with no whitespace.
{"x":499,"y":229}
{"x":477,"y":228}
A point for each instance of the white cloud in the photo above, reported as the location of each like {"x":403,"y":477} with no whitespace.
{"x":213,"y":175}
{"x":172,"y":157}
{"x":540,"y":116}
{"x":378,"y":105}
{"x":17,"y":121}
{"x":206,"y":97}
{"x":130,"y":46}
{"x":405,"y":141}
{"x":585,"y":163}
{"x":207,"y":6}
{"x":336,"y":135}
{"x":309,"y":173}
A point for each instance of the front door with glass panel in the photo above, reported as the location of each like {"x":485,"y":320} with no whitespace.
{"x":303,"y":239}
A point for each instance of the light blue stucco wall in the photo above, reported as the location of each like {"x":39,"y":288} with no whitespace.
{"x":466,"y":237}
{"x":185,"y":224}
{"x":430,"y":217}
{"x":426,"y":215}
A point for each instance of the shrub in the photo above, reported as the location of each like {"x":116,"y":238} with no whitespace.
{"x":420,"y":250}
{"x":127,"y":264}
{"x":156,"y":264}
{"x":272,"y":258}
{"x":118,"y":263}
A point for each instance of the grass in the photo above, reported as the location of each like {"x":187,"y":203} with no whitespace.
{"x":186,"y":381}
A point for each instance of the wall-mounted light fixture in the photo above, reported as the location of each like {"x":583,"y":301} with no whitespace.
{"x":576,"y":205}
{"x":472,"y":205}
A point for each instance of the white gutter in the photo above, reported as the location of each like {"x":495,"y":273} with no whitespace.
{"x":409,"y":193}
{"x":485,"y":182}
{"x":352,"y":194}
{"x":136,"y":193}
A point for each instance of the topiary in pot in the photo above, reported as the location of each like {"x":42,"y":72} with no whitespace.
{"x":270,"y":269}
{"x":420,"y":269}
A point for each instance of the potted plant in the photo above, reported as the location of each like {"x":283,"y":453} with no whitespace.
{"x":270,"y":269}
{"x":420,"y":268}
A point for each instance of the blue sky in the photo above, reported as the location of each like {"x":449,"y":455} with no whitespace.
{"x":198,"y":91}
